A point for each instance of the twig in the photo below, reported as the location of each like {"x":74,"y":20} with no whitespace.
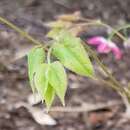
{"x":100,"y":23}
{"x":113,"y":80}
{"x":17,"y":29}
{"x":85,"y":108}
{"x":119,"y":29}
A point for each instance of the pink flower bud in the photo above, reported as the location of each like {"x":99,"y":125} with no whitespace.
{"x":117,"y":52}
{"x":96,"y":40}
{"x":105,"y":46}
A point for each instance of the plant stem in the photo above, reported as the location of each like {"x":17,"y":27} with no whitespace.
{"x":108,"y":83}
{"x":119,"y":29}
{"x":113,"y":82}
{"x":98,"y":22}
{"x":114,"y":31}
{"x":17,"y":29}
{"x":112,"y":79}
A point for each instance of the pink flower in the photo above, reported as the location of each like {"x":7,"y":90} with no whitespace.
{"x":105,"y":46}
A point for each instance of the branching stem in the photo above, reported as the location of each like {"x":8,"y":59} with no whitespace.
{"x":119,"y":29}
{"x":113,"y":82}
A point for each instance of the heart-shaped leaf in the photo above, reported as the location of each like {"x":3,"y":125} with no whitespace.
{"x":58,"y":79}
{"x":35,"y":57}
{"x":72,"y":54}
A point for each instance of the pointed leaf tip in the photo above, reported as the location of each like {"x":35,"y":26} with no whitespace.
{"x":58,"y":80}
{"x":35,"y":57}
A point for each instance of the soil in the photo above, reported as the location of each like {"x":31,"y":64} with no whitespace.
{"x":14,"y":86}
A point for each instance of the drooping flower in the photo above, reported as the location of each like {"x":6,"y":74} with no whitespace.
{"x":105,"y":46}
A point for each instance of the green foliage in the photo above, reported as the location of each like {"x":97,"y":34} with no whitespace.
{"x":58,"y":79}
{"x":47,"y":79}
{"x":69,"y":50}
{"x":42,"y":84}
{"x":49,"y":96}
{"x":35,"y":57}
{"x":50,"y":79}
{"x":41,"y":79}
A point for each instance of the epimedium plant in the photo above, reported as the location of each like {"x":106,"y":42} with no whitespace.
{"x":47,"y":62}
{"x":49,"y":77}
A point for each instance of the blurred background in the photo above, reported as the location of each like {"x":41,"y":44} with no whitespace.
{"x":99,"y":107}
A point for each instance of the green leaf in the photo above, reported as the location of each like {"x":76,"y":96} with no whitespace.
{"x":49,"y":96}
{"x":51,"y":79}
{"x":42,"y":84}
{"x":53,"y":33}
{"x":58,"y":79}
{"x":35,"y":57}
{"x":72,"y":54}
{"x":41,"y":79}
